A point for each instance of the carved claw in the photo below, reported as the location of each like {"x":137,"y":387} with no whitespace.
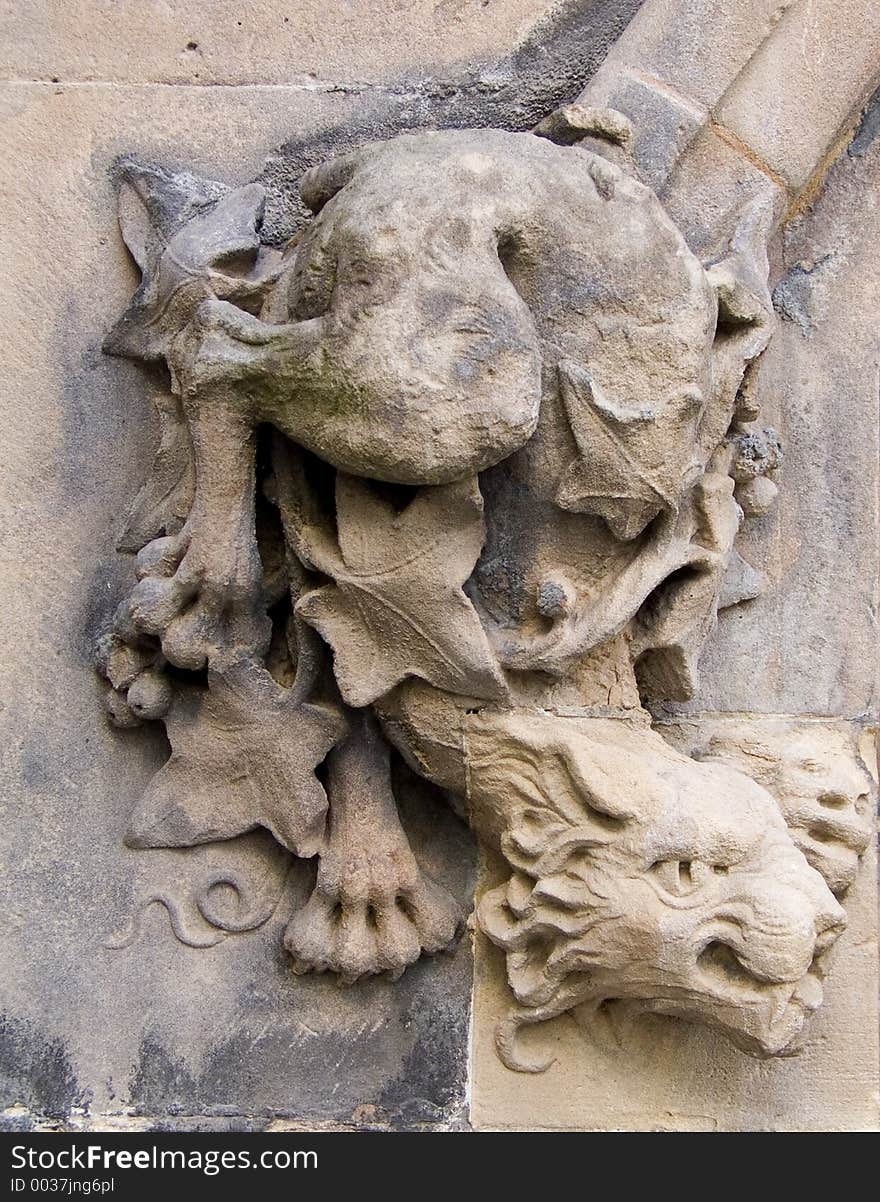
{"x":369,"y":923}
{"x":197,"y":595}
{"x":373,"y":910}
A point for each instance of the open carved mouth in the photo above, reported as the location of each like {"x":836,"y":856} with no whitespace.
{"x":785,"y":1005}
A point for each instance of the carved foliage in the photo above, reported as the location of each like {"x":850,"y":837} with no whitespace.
{"x":407,"y":342}
{"x":243,"y":754}
{"x":396,"y":606}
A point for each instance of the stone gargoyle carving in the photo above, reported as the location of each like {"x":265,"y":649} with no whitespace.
{"x":457,"y":475}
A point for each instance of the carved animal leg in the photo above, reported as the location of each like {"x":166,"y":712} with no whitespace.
{"x":373,"y":910}
{"x":200,"y":591}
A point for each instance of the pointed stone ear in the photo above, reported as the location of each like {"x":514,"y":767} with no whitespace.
{"x":600,"y":773}
{"x":741,"y":582}
{"x":135,"y":225}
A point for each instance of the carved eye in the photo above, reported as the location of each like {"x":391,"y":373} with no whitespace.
{"x":681,"y":877}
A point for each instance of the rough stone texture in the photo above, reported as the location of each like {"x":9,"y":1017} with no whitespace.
{"x":409,"y":338}
{"x":780,"y":82}
{"x":179,"y":1030}
{"x":672,"y":69}
{"x":710,"y":184}
{"x":267,"y":1045}
{"x":696,"y":47}
{"x":626,"y":881}
{"x":309,"y":43}
{"x":829,"y":60}
{"x":808,"y":644}
{"x":496,"y":53}
{"x":812,"y":768}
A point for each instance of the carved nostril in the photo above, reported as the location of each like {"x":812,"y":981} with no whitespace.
{"x":830,"y":922}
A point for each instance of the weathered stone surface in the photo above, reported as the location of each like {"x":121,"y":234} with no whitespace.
{"x":672,"y":69}
{"x":409,"y":337}
{"x":696,"y":47}
{"x":153,"y":1053}
{"x":710,"y":184}
{"x":156,"y":1027}
{"x":665,"y":121}
{"x":277,"y":1045}
{"x":788,"y":670}
{"x":625,"y":877}
{"x":826,"y":57}
{"x":807,"y":645}
{"x":313,"y":44}
{"x":813,"y":769}
{"x":489,"y":444}
{"x":659,"y":1074}
{"x":632,"y":1072}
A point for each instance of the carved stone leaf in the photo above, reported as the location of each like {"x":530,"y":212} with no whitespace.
{"x":671,"y":630}
{"x":187,"y":252}
{"x":397,"y":608}
{"x":162,"y":505}
{"x":244,"y":754}
{"x":741,"y":582}
{"x":627,"y":469}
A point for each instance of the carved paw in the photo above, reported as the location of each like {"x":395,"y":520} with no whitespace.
{"x":197,"y":595}
{"x":369,"y":917}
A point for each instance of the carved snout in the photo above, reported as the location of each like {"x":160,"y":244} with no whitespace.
{"x":763,"y":954}
{"x":788,"y":926}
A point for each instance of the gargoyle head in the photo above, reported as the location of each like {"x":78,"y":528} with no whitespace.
{"x":814,"y":771}
{"x":645,"y":879}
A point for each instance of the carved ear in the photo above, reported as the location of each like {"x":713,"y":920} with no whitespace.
{"x":600,"y":779}
{"x":135,"y":226}
{"x":182,"y":230}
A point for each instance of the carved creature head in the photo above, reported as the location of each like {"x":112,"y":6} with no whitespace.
{"x":451,"y":284}
{"x":644,"y":878}
{"x":814,"y":771}
{"x":454,"y":281}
